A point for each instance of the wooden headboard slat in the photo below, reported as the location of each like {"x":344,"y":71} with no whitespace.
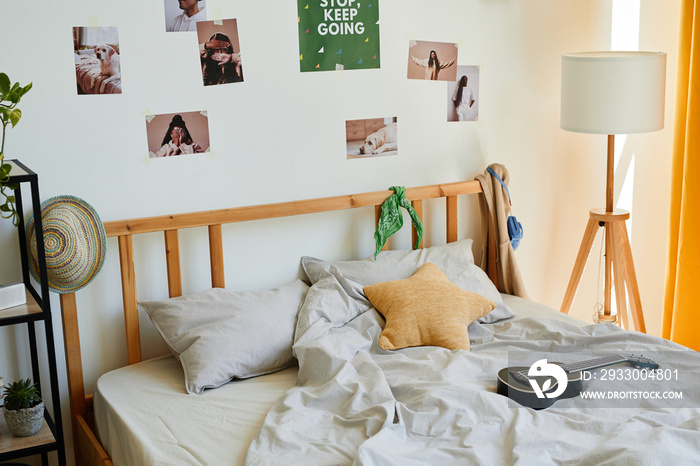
{"x":216,"y":256}
{"x":451,"y":219}
{"x":282,"y":209}
{"x":131,"y":316}
{"x":172,"y":257}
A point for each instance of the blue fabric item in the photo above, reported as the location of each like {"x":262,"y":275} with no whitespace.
{"x":515,"y":231}
{"x":515,"y":228}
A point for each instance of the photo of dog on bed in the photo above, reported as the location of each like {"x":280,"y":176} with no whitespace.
{"x":220,"y":52}
{"x":371,"y":137}
{"x":97,"y":60}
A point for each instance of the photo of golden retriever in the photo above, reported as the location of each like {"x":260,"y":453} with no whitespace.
{"x":109,"y":61}
{"x":371,"y":137}
{"x":97,"y":60}
{"x":382,"y":140}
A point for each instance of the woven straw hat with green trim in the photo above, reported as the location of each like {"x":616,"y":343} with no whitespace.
{"x":74,"y":240}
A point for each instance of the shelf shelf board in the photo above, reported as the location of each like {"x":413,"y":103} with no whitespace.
{"x":10,"y":443}
{"x":30,"y":308}
{"x":19,"y":172}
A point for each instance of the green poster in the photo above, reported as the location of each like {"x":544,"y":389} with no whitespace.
{"x":338,"y":34}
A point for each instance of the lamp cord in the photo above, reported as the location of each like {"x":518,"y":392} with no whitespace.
{"x":598,"y":307}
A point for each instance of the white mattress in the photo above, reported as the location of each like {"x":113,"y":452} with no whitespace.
{"x":144,"y":416}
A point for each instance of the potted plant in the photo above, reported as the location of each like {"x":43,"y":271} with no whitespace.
{"x":23,"y":408}
{"x":10,"y":95}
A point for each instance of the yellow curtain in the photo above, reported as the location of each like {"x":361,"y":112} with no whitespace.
{"x":681,"y":321}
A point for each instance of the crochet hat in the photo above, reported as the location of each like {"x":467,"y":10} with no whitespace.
{"x":74,"y":241}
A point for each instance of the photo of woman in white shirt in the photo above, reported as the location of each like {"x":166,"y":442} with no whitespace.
{"x":463,"y":95}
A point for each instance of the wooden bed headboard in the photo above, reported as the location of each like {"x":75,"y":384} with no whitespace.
{"x":87,"y":447}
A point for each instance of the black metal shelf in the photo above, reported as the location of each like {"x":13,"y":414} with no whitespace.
{"x":37,"y":310}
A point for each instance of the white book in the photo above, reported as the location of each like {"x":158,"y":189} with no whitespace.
{"x":12,"y":295}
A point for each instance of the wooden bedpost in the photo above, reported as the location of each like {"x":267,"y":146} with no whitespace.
{"x":86,"y":447}
{"x":74,"y":362}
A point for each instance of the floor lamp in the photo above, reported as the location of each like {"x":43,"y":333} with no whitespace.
{"x":612,"y":93}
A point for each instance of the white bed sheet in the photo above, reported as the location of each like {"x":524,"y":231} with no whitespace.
{"x":525,"y":308}
{"x":144,"y":416}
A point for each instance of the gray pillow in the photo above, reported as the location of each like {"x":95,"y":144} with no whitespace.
{"x":454,"y":259}
{"x":220,"y":335}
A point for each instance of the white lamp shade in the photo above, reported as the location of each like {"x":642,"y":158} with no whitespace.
{"x":613,"y":92}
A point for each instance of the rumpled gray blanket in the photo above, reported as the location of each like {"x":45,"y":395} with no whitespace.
{"x":357,"y":404}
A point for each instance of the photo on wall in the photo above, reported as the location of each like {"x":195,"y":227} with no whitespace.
{"x":371,"y":137}
{"x":432,"y":61}
{"x":338,"y":34}
{"x":183,"y":15}
{"x":97,"y":60}
{"x":181,"y":133}
{"x":463,"y":95}
{"x":220,"y":52}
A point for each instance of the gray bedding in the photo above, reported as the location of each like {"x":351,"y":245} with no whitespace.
{"x":357,"y":404}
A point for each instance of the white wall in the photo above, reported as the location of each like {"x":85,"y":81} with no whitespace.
{"x":280,"y":136}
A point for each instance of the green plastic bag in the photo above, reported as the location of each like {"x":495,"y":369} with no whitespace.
{"x":391,"y":219}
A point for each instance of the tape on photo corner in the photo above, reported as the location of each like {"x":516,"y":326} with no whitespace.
{"x":218,"y":19}
{"x":339,"y":71}
{"x":459,"y":43}
{"x":210,"y":153}
{"x":205,"y":113}
{"x":146,"y":159}
{"x":148,"y":115}
{"x":93,"y":24}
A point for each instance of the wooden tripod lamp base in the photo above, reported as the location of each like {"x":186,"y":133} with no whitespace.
{"x":619,"y":268}
{"x":597,"y":98}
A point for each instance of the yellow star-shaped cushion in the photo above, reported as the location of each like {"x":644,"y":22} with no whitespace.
{"x":426,"y":310}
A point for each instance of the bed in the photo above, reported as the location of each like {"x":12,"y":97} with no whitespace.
{"x":319,"y":386}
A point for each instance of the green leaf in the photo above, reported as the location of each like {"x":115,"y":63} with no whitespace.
{"x":21,"y":395}
{"x":15,"y":115}
{"x":4,"y":85}
{"x":5,"y":114}
{"x":4,"y":208}
{"x":25,"y":89}
{"x":5,"y":170}
{"x":13,"y":96}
